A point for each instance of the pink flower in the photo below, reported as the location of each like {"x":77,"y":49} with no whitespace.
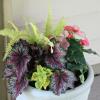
{"x":70,"y":36}
{"x":74,"y":29}
{"x":84,"y":42}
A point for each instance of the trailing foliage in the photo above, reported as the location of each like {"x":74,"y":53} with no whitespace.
{"x":16,"y":68}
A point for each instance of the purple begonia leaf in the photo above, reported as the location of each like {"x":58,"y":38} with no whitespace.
{"x":16,"y":68}
{"x":54,"y":60}
{"x":64,"y":43}
{"x":19,"y":57}
{"x":14,"y":87}
{"x":61,"y":81}
{"x":9,"y":71}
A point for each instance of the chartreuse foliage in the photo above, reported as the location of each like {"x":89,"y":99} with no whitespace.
{"x":57,"y":31}
{"x":14,"y":34}
{"x":42,"y":77}
{"x":48,"y":24}
{"x":59,"y":28}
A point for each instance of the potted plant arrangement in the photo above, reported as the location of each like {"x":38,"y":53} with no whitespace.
{"x":47,"y":65}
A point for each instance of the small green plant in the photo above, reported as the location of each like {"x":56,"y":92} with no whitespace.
{"x":42,"y":77}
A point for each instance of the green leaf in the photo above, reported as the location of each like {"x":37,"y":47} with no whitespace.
{"x":9,"y":47}
{"x":82,"y":78}
{"x":59,"y":28}
{"x":9,"y":33}
{"x":90,"y":51}
{"x":42,"y":77}
{"x":75,"y":59}
{"x":34,"y":29}
{"x":75,"y":53}
{"x":12,"y":26}
{"x":39,"y":37}
{"x":76,"y":67}
{"x":48,"y":24}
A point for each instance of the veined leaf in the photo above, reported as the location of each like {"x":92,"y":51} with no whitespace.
{"x":59,"y":28}
{"x":61,"y":81}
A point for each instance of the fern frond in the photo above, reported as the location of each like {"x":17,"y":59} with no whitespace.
{"x":48,"y":24}
{"x":12,"y":26}
{"x":9,"y":47}
{"x":43,"y":40}
{"x":34,"y":29}
{"x":39,"y":37}
{"x":59,"y":28}
{"x":9,"y":33}
{"x":35,"y":33}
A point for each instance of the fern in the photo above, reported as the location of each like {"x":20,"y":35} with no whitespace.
{"x":59,"y":28}
{"x":39,"y":37}
{"x":9,"y":47}
{"x":14,"y":34}
{"x":9,"y":33}
{"x":48,"y":24}
{"x":12,"y":26}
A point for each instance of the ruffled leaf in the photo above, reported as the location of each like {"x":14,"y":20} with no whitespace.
{"x":42,"y":77}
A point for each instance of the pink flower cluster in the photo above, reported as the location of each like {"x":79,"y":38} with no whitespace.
{"x":74,"y":29}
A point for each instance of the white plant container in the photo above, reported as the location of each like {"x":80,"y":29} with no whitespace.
{"x":79,"y":93}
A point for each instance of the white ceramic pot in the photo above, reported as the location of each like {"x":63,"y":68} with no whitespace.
{"x":79,"y":93}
